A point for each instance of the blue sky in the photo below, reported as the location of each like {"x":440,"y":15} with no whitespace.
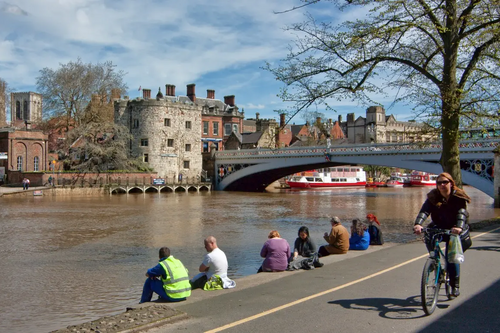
{"x":219,"y":44}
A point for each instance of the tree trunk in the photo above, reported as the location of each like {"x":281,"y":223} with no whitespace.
{"x":450,"y":122}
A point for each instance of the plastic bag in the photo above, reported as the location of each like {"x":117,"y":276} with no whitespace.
{"x":455,"y":252}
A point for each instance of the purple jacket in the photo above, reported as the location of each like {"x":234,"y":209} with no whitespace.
{"x":276,"y":251}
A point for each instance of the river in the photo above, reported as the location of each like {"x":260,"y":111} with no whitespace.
{"x":66,"y":260}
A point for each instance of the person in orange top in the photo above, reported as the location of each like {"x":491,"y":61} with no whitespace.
{"x":338,"y":239}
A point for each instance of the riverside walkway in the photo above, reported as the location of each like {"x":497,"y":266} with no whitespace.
{"x":363,"y":291}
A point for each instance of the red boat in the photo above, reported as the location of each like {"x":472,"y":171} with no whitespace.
{"x":419,"y":178}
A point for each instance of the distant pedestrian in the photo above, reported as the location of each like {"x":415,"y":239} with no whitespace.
{"x":50,"y":180}
{"x":376,"y":237}
{"x":25,"y":184}
{"x":360,"y":238}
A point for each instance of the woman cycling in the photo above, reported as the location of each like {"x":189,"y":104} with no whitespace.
{"x":447,"y":206}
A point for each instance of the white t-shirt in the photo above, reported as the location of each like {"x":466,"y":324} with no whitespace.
{"x":216,"y":261}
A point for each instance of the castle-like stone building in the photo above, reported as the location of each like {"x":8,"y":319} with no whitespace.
{"x":170,"y":131}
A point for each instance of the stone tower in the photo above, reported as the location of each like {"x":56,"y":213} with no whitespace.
{"x":375,"y":114}
{"x":25,"y":106}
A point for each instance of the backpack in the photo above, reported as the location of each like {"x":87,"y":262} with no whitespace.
{"x":376,"y":237}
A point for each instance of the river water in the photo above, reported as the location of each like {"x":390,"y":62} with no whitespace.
{"x":67,"y":260}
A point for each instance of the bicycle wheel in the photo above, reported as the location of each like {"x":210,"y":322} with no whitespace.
{"x":430,"y":286}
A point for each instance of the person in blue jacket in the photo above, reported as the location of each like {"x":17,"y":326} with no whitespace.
{"x":169,"y":279}
{"x":360,"y":237}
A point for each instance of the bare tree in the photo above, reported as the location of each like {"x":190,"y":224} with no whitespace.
{"x":68,"y":90}
{"x":98,"y":147}
{"x":3,"y":102}
{"x":442,"y":57}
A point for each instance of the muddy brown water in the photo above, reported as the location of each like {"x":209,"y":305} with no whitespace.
{"x":66,"y":260}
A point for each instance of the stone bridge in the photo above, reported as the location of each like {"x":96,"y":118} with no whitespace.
{"x":253,"y":170}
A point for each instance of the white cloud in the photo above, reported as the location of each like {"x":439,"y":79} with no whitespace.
{"x":251,"y":106}
{"x":12,"y":9}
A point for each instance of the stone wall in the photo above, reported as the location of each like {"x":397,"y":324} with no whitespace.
{"x":166,"y":133}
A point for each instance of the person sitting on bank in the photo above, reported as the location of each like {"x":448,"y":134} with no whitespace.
{"x":360,"y":238}
{"x":276,"y":252}
{"x":304,"y":253}
{"x":213,"y":269}
{"x":376,"y":237}
{"x":338,"y":239}
{"x":169,"y":279}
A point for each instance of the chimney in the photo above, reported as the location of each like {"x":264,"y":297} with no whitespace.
{"x":94,"y":99}
{"x":229,"y":100}
{"x":318,"y":120}
{"x":340,"y":119}
{"x":257,"y":116}
{"x":282,"y":120}
{"x":167,"y":90}
{"x":191,"y":92}
{"x":210,"y":94}
{"x":146,"y":93}
{"x":115,"y":94}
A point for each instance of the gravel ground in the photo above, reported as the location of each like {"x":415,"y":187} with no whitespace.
{"x":132,"y":320}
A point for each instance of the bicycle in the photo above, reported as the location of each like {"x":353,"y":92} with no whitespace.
{"x":435,"y":271}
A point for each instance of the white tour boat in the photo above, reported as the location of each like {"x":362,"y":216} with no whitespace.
{"x":329,"y":177}
{"x":419,"y":178}
{"x":398,"y":180}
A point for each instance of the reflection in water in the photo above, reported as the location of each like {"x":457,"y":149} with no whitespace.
{"x":66,"y":260}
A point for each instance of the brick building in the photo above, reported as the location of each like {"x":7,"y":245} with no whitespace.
{"x":26,"y":151}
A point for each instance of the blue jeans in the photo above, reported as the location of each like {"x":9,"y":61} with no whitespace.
{"x":155,"y":285}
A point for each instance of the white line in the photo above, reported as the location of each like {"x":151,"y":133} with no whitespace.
{"x":284,"y":306}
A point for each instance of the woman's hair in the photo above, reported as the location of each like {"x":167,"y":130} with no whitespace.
{"x":358,"y":227}
{"x":454,"y":189}
{"x":274,"y":234}
{"x":371,"y":216}
{"x":304,"y":230}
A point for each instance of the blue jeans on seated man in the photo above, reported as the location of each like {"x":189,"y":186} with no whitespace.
{"x":155,"y":285}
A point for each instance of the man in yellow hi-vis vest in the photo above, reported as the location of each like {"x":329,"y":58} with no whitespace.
{"x":169,"y":279}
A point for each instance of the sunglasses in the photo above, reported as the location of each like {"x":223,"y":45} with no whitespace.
{"x":443,"y":182}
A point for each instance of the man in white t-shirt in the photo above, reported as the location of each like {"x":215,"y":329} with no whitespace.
{"x":214,"y":263}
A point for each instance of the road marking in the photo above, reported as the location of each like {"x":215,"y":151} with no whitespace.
{"x":282,"y":307}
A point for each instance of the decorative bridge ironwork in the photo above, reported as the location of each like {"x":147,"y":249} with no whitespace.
{"x":255,"y":169}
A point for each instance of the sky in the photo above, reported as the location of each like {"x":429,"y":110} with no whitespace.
{"x":219,"y":44}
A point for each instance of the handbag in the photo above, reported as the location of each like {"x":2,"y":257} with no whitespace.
{"x":465,"y":238}
{"x":455,"y":252}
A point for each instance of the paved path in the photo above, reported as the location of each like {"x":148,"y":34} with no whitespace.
{"x":11,"y":190}
{"x":373,"y":291}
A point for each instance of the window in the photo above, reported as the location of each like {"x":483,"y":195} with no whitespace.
{"x":227,"y":129}
{"x":216,"y":128}
{"x":26,"y":113}
{"x":188,"y":147}
{"x":170,"y":142}
{"x":144,"y":142}
{"x":136,"y":123}
{"x":18,"y":110}
{"x":35,"y":163}
{"x":205,"y":147}
{"x":188,"y":124}
{"x":205,"y":127}
{"x":166,"y":122}
{"x":235,"y":128}
{"x":145,"y":158}
{"x":186,"y":164}
{"x":20,"y":163}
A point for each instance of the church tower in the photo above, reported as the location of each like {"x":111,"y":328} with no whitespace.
{"x":25,"y":106}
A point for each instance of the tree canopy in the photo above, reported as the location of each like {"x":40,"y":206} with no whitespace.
{"x":69,"y":89}
{"x":441,"y":57}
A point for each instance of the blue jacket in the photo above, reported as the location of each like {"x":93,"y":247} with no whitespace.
{"x":357,"y":242}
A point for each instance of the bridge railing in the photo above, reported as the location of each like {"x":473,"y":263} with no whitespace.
{"x":465,"y":145}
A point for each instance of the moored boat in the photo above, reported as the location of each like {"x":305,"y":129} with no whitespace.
{"x":343,"y":176}
{"x":419,"y":178}
{"x":398,"y":180}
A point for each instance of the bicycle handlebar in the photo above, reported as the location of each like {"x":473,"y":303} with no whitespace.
{"x":436,"y":231}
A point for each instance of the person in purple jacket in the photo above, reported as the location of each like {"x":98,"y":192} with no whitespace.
{"x":276,"y":252}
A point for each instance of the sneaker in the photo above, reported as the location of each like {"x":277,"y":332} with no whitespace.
{"x":455,"y":291}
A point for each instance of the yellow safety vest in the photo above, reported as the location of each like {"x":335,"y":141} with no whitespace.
{"x":176,"y":283}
